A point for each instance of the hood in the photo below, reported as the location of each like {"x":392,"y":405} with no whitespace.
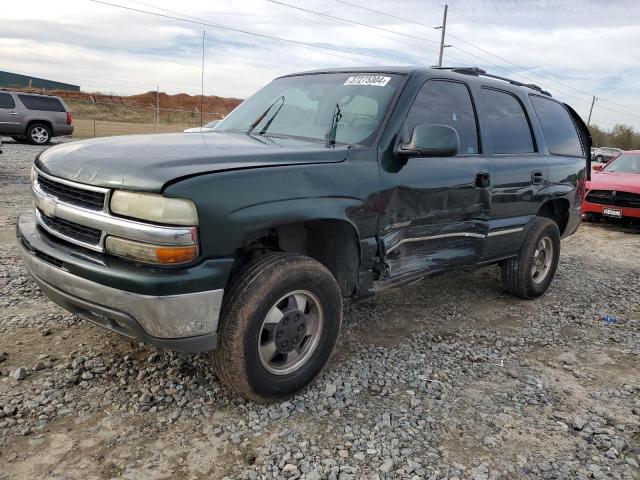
{"x":198,"y":130}
{"x":148,"y":162}
{"x":625,"y":182}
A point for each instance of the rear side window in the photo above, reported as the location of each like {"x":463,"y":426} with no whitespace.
{"x":557,"y":126}
{"x":508,"y":124}
{"x":48,"y":104}
{"x":446,"y":103}
{"x":6,"y":101}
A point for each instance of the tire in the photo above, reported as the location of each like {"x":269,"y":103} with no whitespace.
{"x":599,"y":158}
{"x":247,"y":341}
{"x":529,"y":274}
{"x":38,"y":134}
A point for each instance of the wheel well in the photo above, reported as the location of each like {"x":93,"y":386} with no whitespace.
{"x":45,"y":122}
{"x":556,"y":210}
{"x":334,"y":243}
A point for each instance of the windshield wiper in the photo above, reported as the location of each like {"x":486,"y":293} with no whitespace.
{"x":330,"y":136}
{"x":264,"y":114}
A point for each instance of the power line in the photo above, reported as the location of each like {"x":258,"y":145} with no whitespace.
{"x":345,"y":20}
{"x":383,"y":13}
{"x":487,"y":51}
{"x":238,"y":30}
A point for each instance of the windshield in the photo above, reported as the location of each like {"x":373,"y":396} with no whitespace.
{"x":304,"y":106}
{"x":624,"y":164}
{"x":212,"y":124}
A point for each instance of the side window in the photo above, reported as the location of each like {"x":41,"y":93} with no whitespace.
{"x":557,"y":126}
{"x":48,"y":104}
{"x":508,"y":125}
{"x":446,"y":103}
{"x":6,"y":101}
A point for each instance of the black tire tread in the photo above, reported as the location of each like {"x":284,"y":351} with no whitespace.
{"x":228,"y":357}
{"x":513,"y":279}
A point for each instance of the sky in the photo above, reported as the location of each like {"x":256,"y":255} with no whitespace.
{"x":575,"y":49}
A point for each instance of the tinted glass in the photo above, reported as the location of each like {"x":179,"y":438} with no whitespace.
{"x":446,"y":103}
{"x":303,"y":107}
{"x":624,"y":164}
{"x":48,"y":104}
{"x":6,"y":101}
{"x":508,"y":124}
{"x":557,"y":126}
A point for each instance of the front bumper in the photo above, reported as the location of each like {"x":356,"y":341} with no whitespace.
{"x":182,"y":322}
{"x":627,"y":212}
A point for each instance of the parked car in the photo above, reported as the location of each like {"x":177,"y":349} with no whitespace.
{"x":206,"y":128}
{"x":605,"y":154}
{"x":322,"y":186}
{"x":33,"y":118}
{"x":614,"y":189}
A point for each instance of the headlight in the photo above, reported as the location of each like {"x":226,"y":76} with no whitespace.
{"x":148,"y":253}
{"x":154,"y":207}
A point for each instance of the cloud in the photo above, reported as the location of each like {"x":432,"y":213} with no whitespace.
{"x":573,"y":48}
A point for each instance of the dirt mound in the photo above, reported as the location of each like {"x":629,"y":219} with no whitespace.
{"x":180,"y":101}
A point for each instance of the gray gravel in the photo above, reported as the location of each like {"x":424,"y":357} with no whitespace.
{"x":448,"y":378}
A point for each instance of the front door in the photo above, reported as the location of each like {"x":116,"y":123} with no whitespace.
{"x":435,"y":211}
{"x":10,"y":118}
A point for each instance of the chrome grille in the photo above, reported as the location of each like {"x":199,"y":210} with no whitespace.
{"x":72,"y":230}
{"x":81,"y":197}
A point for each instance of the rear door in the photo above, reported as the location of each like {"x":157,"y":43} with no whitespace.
{"x":519,"y":171}
{"x":10,"y":117}
{"x":45,"y":108}
{"x":435,"y":210}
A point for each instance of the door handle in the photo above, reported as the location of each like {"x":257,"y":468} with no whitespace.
{"x":14,"y":113}
{"x":483,"y":180}
{"x":537,"y":177}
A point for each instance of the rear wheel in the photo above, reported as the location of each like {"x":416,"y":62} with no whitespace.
{"x":530,"y":273}
{"x":599,"y":158}
{"x":39,"y":134}
{"x":279,"y":324}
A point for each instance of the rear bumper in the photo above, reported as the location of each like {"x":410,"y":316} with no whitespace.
{"x":59,"y":130}
{"x":183,"y":322}
{"x":627,"y":212}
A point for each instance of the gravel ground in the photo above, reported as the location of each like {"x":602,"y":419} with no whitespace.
{"x":447,"y":378}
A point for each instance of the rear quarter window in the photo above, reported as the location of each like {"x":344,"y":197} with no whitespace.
{"x":558,"y":129}
{"x":47,"y":104}
{"x":6,"y":101}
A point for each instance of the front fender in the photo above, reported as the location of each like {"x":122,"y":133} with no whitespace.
{"x":232,"y":206}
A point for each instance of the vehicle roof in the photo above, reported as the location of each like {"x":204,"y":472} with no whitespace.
{"x":34,"y":94}
{"x":466,"y":74}
{"x":630,"y":152}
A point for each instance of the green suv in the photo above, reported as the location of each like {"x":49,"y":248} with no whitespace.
{"x":322,"y":186}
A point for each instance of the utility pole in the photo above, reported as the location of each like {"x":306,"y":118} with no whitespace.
{"x":444,"y":28}
{"x":157,"y":107}
{"x":202,"y":82}
{"x":593,"y":101}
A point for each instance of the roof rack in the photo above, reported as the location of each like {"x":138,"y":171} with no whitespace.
{"x":480,"y":72}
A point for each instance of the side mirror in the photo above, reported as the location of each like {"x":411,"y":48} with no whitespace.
{"x":430,"y":141}
{"x":597,"y":167}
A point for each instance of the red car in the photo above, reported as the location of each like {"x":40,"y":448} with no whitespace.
{"x":614,"y":189}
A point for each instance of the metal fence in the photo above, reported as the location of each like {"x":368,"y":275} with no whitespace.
{"x":93,"y":118}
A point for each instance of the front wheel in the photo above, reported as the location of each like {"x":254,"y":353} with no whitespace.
{"x":530,"y":273}
{"x":279,"y":324}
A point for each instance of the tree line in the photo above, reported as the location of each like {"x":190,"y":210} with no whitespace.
{"x":620,"y":136}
